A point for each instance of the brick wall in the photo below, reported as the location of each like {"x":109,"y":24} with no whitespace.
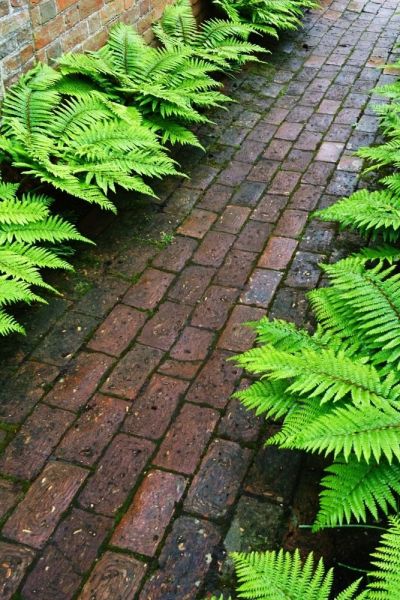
{"x":32,"y":30}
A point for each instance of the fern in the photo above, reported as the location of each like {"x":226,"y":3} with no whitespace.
{"x":386,"y":560}
{"x":25,"y":223}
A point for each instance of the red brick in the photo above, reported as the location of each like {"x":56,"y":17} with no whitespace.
{"x":14,"y":562}
{"x":306,"y":197}
{"x":79,"y":381}
{"x":289,"y":131}
{"x":91,"y":433}
{"x":36,"y":517}
{"x":63,"y":4}
{"x":132,"y":371}
{"x":263,"y":171}
{"x":149,"y":290}
{"x":176,"y":368}
{"x":291,"y":223}
{"x":74,"y":548}
{"x":329,"y":107}
{"x":20,"y":393}
{"x":163,"y":329}
{"x":184,"y":561}
{"x":277,"y":150}
{"x":10,"y":493}
{"x":269,"y":208}
{"x":215,"y":382}
{"x":192,"y":284}
{"x":261,"y":288}
{"x":330,"y":151}
{"x":118,"y":330}
{"x":90,"y":6}
{"x":198,"y":223}
{"x":235,"y":173}
{"x":276,"y":116}
{"x":232,"y":219}
{"x":216,"y":485}
{"x":297,"y":160}
{"x":48,"y":32}
{"x":284,"y":182}
{"x":236,"y":268}
{"x":26,"y":454}
{"x":318,"y":173}
{"x":193,"y":344}
{"x":116,"y":474}
{"x":187,"y":438}
{"x":278,"y":253}
{"x":262,"y":132}
{"x":216,"y":197}
{"x":236,"y":335}
{"x":213,"y":310}
{"x":114,"y":576}
{"x":152,"y":411}
{"x":254,"y":236}
{"x":213,"y":248}
{"x":175,"y":256}
{"x":249,"y":151}
{"x":144,"y":524}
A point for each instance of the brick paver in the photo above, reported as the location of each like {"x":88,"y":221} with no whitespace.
{"x":127,"y":467}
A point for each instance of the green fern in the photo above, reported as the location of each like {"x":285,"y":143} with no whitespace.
{"x":386,"y":560}
{"x":25,"y":223}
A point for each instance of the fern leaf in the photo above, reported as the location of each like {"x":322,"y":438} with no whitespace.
{"x":386,"y":560}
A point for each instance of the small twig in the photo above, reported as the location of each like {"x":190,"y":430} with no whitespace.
{"x":348,"y":526}
{"x":339,"y":564}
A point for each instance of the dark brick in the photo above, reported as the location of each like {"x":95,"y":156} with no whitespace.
{"x":102,"y":297}
{"x":248,"y":193}
{"x":216,"y":485}
{"x":152,"y":411}
{"x":10,"y":493}
{"x":143,"y":525}
{"x":114,"y":576}
{"x":236,"y":335}
{"x":232,"y":219}
{"x":79,"y":380}
{"x":26,"y":454}
{"x":236,"y":268}
{"x":263,"y":171}
{"x":36,"y":517}
{"x":277,"y":150}
{"x":14,"y":562}
{"x":192,"y":284}
{"x":201,"y":177}
{"x":213,"y":310}
{"x":184,"y":561}
{"x":213,"y":248}
{"x":304,"y":272}
{"x":235,"y":173}
{"x":132,"y":371}
{"x":240,"y":424}
{"x":187,"y":438}
{"x":284,"y":182}
{"x":163,"y":329}
{"x":262,"y":132}
{"x":289,"y":131}
{"x":249,"y":151}
{"x":278,"y":253}
{"x":216,"y":197}
{"x":318,"y":173}
{"x":149,"y":290}
{"x":261,"y":287}
{"x":175,"y":256}
{"x":215,"y":382}
{"x":297,"y":160}
{"x":318,"y":237}
{"x":52,"y":578}
{"x":306,"y":197}
{"x":318,"y":122}
{"x":91,"y":433}
{"x":254,"y":236}
{"x":342,"y":183}
{"x":193,"y":344}
{"x":117,"y":472}
{"x":290,"y":304}
{"x":118,"y":330}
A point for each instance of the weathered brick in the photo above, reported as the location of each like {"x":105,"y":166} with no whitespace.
{"x":330,"y":151}
{"x":191,"y":285}
{"x":90,"y":434}
{"x":291,"y":223}
{"x":14,"y":562}
{"x":163,"y":329}
{"x":36,"y":517}
{"x":114,"y":576}
{"x":79,"y":380}
{"x":186,"y":439}
{"x":213,"y":310}
{"x":306,"y":197}
{"x":183,"y":370}
{"x":289,"y":131}
{"x":102,"y":297}
{"x":304,"y":272}
{"x":269,"y":208}
{"x":232,"y":219}
{"x":308,"y":140}
{"x":262,"y":132}
{"x":193,"y":344}
{"x":236,"y":335}
{"x":149,"y":290}
{"x":215,"y":382}
{"x":152,"y":411}
{"x":213,"y":248}
{"x":248,"y":193}
{"x":240,"y":424}
{"x":132,"y":371}
{"x":290,"y":304}
{"x":201,"y":177}
{"x":216,"y":197}
{"x":297,"y":160}
{"x":235,"y":173}
{"x":318,"y":237}
{"x":249,"y":151}
{"x":143,"y":525}
{"x":277,"y":253}
{"x":175,"y":256}
{"x":26,"y":454}
{"x":263,"y":171}
{"x":276,"y":116}
{"x":318,"y":173}
{"x":253,"y":236}
{"x":284,"y":182}
{"x":236,"y":268}
{"x":117,"y":472}
{"x":118,"y":330}
{"x":184,"y":561}
{"x":10,"y":493}
{"x":342,"y":183}
{"x":216,"y":485}
{"x":329,"y":107}
{"x":277,"y":150}
{"x":261,"y":287}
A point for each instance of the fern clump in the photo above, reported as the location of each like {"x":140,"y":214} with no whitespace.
{"x":28,"y":237}
{"x":223,"y":43}
{"x":84,"y":145}
{"x":338,"y":389}
{"x":266,"y":16}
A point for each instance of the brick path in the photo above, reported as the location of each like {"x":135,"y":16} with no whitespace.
{"x":127,"y":468}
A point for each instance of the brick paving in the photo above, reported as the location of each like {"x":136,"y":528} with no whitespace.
{"x":127,"y":469}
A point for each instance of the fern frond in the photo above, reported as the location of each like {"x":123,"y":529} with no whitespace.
{"x":386,"y":560}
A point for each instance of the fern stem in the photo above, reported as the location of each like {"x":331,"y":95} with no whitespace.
{"x":350,"y":568}
{"x":350,"y":526}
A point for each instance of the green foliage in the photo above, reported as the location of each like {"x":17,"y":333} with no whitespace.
{"x":26,"y":230}
{"x":84,"y":146}
{"x":266,"y":16}
{"x":220,"y":42}
{"x":338,"y":389}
